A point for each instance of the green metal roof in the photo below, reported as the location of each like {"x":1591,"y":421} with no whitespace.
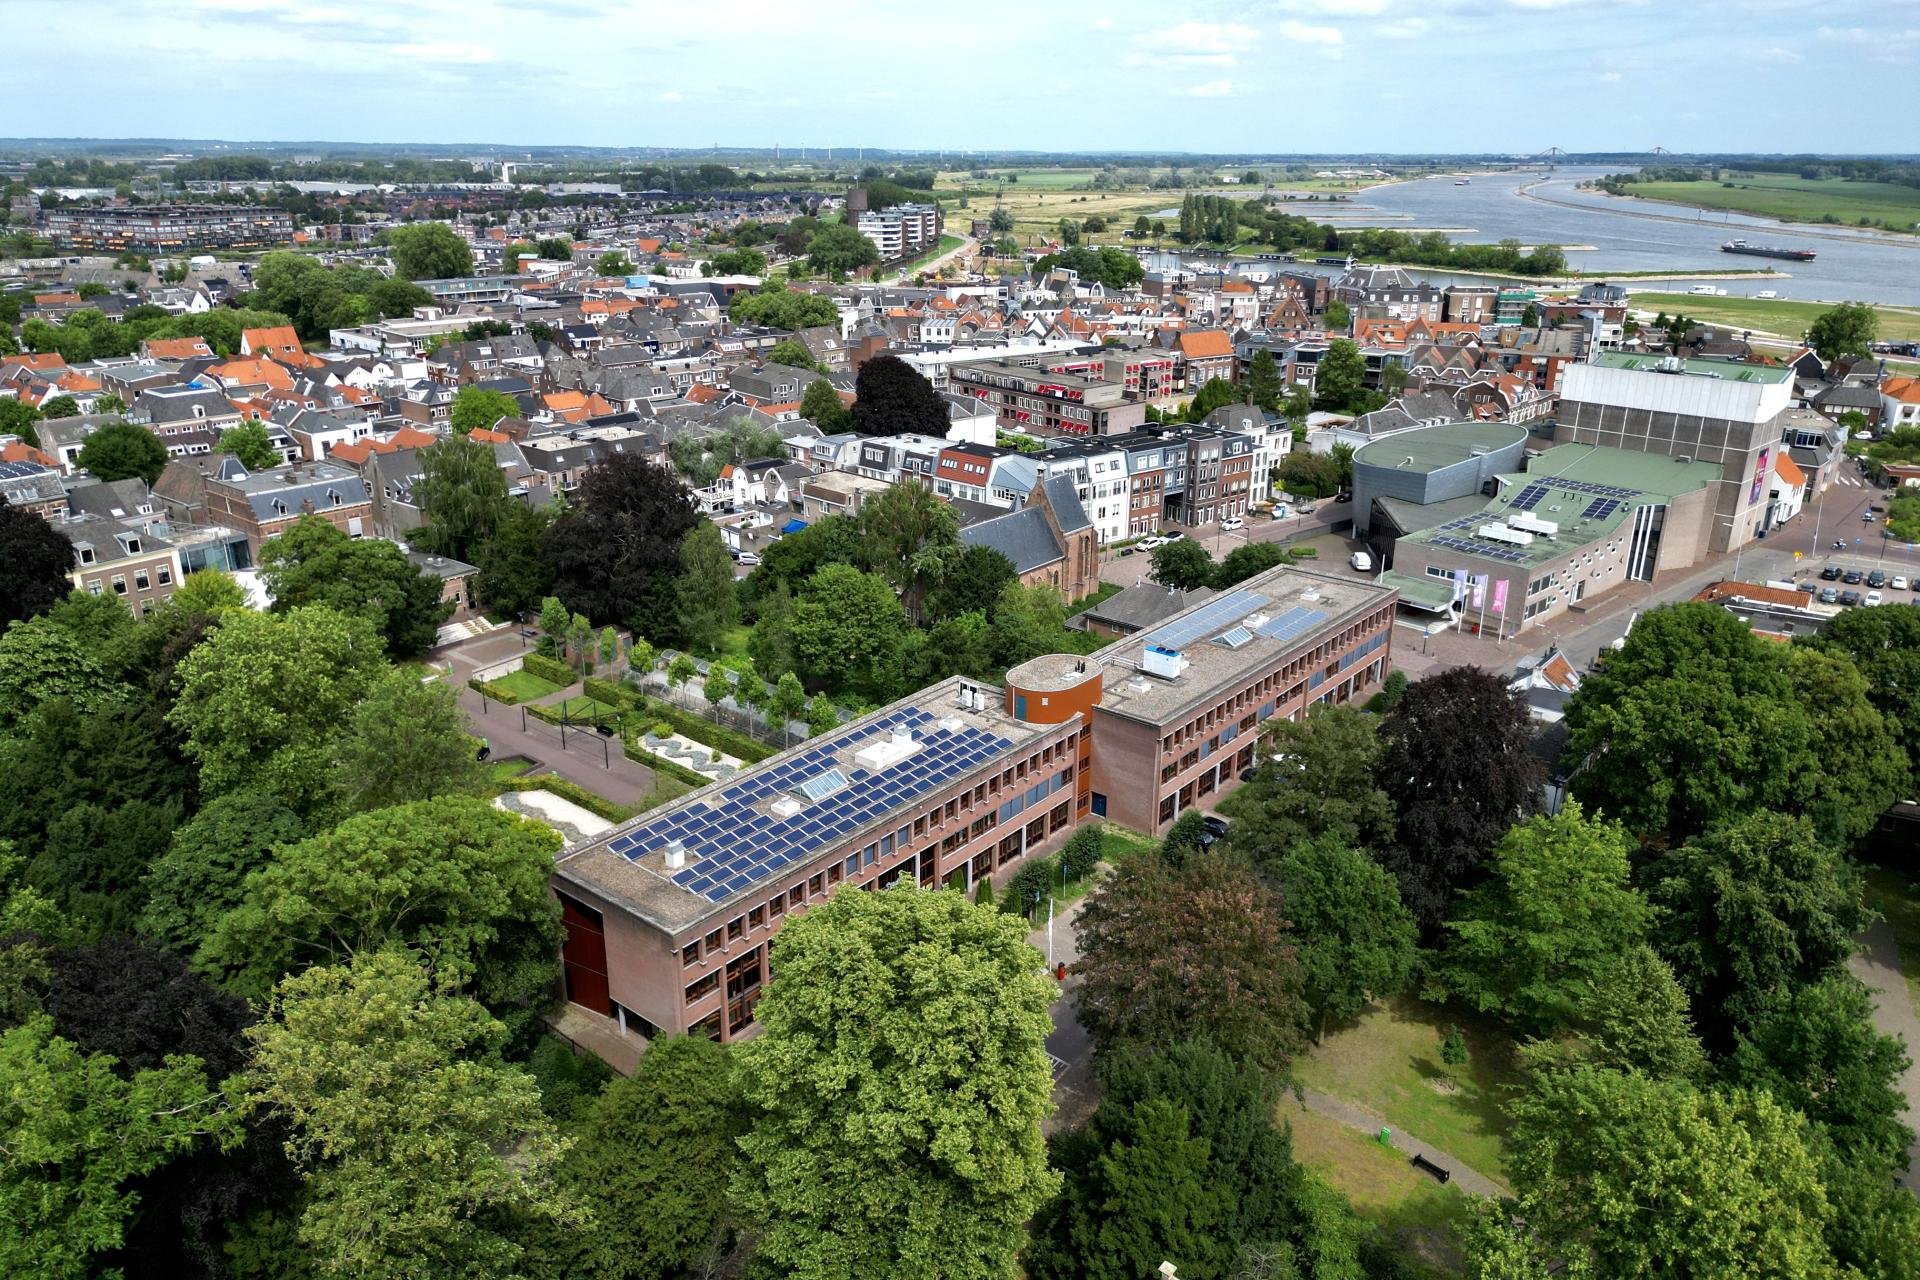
{"x":1726,"y":370}
{"x":1432,"y":593}
{"x":1557,"y":486}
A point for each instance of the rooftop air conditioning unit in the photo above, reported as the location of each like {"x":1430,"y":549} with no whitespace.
{"x":1502,"y":533}
{"x":1158,"y":660}
{"x":675,"y":855}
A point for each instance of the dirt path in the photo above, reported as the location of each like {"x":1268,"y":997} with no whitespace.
{"x":1877,"y":964}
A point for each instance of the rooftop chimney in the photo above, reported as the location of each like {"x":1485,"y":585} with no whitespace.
{"x":676,"y":855}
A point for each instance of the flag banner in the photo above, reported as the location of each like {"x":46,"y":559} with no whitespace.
{"x":1500,"y":597}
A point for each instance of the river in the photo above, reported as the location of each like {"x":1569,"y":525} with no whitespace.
{"x":1627,"y":235}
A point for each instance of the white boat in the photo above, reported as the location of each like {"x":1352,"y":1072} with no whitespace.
{"x":1767,"y":293}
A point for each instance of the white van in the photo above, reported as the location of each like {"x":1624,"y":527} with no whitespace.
{"x":1361,"y":562}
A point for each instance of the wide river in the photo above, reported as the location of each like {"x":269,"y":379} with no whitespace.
{"x":1641,"y":235}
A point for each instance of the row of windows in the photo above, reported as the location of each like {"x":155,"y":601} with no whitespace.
{"x":141,"y":582}
{"x":1262,"y":690}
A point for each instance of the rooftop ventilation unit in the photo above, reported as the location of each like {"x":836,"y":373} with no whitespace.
{"x":1158,"y":660}
{"x":1501,"y":533}
{"x":1533,"y":524}
{"x":884,"y":753}
{"x":675,"y":855}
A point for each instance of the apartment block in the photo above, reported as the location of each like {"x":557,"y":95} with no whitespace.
{"x":167,"y":228}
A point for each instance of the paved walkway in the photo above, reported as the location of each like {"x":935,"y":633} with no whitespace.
{"x":1465,"y":1177}
{"x":1877,"y":964}
{"x":596,"y":763}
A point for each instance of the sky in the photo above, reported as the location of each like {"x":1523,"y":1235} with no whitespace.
{"x":1286,"y":76}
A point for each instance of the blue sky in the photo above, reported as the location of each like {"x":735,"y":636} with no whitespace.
{"x":1286,"y":75}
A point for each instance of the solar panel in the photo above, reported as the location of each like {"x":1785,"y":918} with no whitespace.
{"x":1210,"y":616}
{"x":1292,"y":623}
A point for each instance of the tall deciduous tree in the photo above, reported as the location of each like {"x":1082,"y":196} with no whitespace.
{"x":460,"y":882}
{"x":1693,"y":722}
{"x":911,"y":538}
{"x":622,"y":541}
{"x":419,"y":1144}
{"x":463,"y":494}
{"x":897,"y":1092}
{"x":34,"y":562}
{"x":703,"y":592}
{"x":1264,"y":387}
{"x":1355,"y":940}
{"x":1638,"y":1177}
{"x":891,"y":399}
{"x":262,"y":699}
{"x":316,"y":563}
{"x":1864,"y":766}
{"x":1456,"y":758}
{"x":514,"y":572}
{"x":655,"y":1158}
{"x":846,"y":627}
{"x":429,"y":251}
{"x":1884,"y":644}
{"x":838,"y":247}
{"x":201,"y":876}
{"x":407,"y":741}
{"x":73,"y":1134}
{"x":1198,"y":952}
{"x":1759,"y":905}
{"x":1183,"y":565}
{"x":1846,"y":330}
{"x":972,"y":583}
{"x":480,"y":407}
{"x":1320,"y":780}
{"x":249,"y":443}
{"x":1557,"y":910}
{"x":821,"y":406}
{"x":121,"y":451}
{"x":1339,"y":380}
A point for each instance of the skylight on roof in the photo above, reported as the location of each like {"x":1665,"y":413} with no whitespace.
{"x":819,"y":787}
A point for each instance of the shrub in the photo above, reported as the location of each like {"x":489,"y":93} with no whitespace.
{"x":1029,"y":886}
{"x":983,"y":892}
{"x":1390,"y":693}
{"x":567,"y":789}
{"x":1453,"y":1050}
{"x":662,"y":729}
{"x":665,"y":767}
{"x":549,"y":669}
{"x":1081,"y":854}
{"x":613,"y":693}
{"x":494,"y":691}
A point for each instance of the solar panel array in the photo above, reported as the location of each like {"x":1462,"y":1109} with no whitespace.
{"x":1487,"y":548}
{"x":20,"y":470}
{"x":1211,"y":616}
{"x":731,"y":844}
{"x":1596,"y":490}
{"x":1601,"y":508}
{"x":1291,"y":623}
{"x":1530,"y":496}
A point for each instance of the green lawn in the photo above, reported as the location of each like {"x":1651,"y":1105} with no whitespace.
{"x":583,"y":708}
{"x":1383,"y":1188}
{"x":1795,"y":199}
{"x":1117,"y":841}
{"x":1780,"y":316}
{"x":526,"y":686}
{"x":911,"y":265}
{"x":733,"y":644}
{"x":1893,"y":895}
{"x":1389,"y":1062}
{"x":500,"y":770}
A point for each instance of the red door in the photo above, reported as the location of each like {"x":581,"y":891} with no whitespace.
{"x":583,"y":957}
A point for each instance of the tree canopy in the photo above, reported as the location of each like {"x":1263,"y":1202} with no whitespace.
{"x":429,"y":251}
{"x":249,"y":443}
{"x":463,"y":494}
{"x":891,"y":399}
{"x":122,"y":450}
{"x":1844,"y":330}
{"x":34,"y":562}
{"x":621,"y":542}
{"x":897,"y":1090}
{"x":315,"y":562}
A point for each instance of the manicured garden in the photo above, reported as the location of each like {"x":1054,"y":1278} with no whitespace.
{"x":524,"y":686}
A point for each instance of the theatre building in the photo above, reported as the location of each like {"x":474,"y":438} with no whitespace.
{"x":668,"y":916}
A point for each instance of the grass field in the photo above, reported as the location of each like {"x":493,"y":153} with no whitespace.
{"x":1780,"y":316}
{"x":1389,"y":1062}
{"x":583,"y":708}
{"x":1383,"y":1188}
{"x":1892,"y":894}
{"x":947,"y":245}
{"x":526,"y":686}
{"x":1794,"y":199}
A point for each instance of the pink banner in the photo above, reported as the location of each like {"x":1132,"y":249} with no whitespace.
{"x":1479,"y":589}
{"x":1500,"y":596}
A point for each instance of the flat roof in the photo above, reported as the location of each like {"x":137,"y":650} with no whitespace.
{"x":1434,"y":447}
{"x":790,"y":808}
{"x":1586,"y":491}
{"x":1248,"y":626}
{"x":1726,"y":370}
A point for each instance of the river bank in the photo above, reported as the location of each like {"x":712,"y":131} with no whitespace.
{"x":1529,"y":192}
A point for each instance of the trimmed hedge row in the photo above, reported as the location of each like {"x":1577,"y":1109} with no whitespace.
{"x":699,"y":728}
{"x":613,"y":693}
{"x":549,"y":669}
{"x":494,"y":691}
{"x":660,"y":764}
{"x":567,"y":789}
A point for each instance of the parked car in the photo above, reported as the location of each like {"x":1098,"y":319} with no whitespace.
{"x":1899,"y":582}
{"x":1172,"y":535}
{"x":1215,"y":824}
{"x":749,"y":558}
{"x":1831,"y":573}
{"x":1866,"y":517}
{"x":1807,"y":587}
{"x":1248,"y":775}
{"x":1228,"y":526}
{"x":1877,"y":579}
{"x":1343,"y":497}
{"x":1850,"y":598}
{"x":1873,"y":598}
{"x":1361,"y":562}
{"x":1853,"y":577}
{"x":1152,"y":544}
{"x":1126,"y":551}
{"x":1829,"y":595}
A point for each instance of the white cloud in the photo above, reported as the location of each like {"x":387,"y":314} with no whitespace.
{"x":1777,"y":54}
{"x":1337,"y":8}
{"x":1610,"y":77}
{"x":1306,"y":33}
{"x":672,"y":95}
{"x":445,"y":51}
{"x":1202,"y":38}
{"x":1213,"y":89}
{"x":1403,"y":28}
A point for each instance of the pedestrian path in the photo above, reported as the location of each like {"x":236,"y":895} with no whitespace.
{"x":1877,"y":964}
{"x":1465,"y":1176}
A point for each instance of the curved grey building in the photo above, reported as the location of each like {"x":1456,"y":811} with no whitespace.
{"x":1428,"y":465}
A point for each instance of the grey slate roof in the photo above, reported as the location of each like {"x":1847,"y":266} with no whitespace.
{"x":1146,"y":605}
{"x":1022,"y":536}
{"x":1065,"y":501}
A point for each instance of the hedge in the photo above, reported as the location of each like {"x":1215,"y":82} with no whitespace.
{"x":549,"y":669}
{"x":495,"y":692}
{"x":699,"y":728}
{"x":613,"y":693}
{"x":567,"y":789}
{"x":660,"y":764}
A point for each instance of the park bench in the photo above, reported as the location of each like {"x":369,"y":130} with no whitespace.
{"x":1425,"y":1165}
